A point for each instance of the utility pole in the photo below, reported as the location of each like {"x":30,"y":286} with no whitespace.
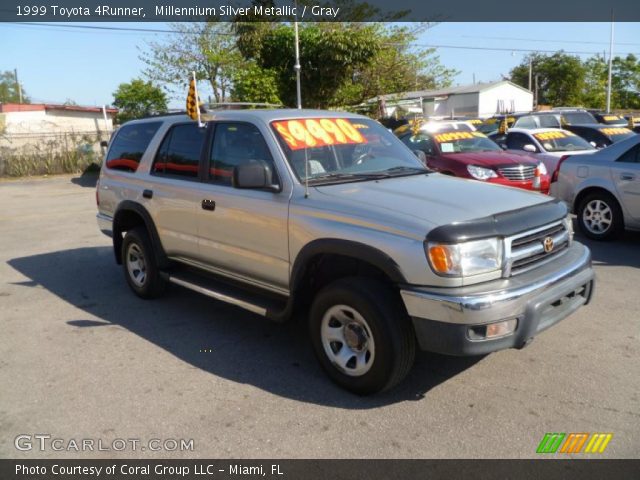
{"x":296,"y":66}
{"x":18,"y":87}
{"x":610,"y":65}
{"x":530,"y":70}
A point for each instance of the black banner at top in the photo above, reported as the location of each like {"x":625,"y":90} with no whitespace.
{"x":319,"y":10}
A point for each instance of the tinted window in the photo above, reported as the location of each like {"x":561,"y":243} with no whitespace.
{"x":632,"y":156}
{"x":576,"y":118}
{"x":526,"y":122}
{"x":179,"y":153}
{"x":235,"y":144}
{"x":421,"y":141}
{"x":548,"y":121}
{"x":517,"y":141}
{"x":129,"y":145}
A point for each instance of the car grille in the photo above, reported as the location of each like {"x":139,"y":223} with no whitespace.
{"x":526,"y":251}
{"x":521,"y":172}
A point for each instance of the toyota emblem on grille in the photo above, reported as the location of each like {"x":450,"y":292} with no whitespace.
{"x":547,"y":243}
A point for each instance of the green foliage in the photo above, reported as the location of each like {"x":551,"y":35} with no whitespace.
{"x":565,"y":80}
{"x":561,"y":78}
{"x":209,"y":49}
{"x":9,"y":89}
{"x":138,"y":99}
{"x":254,"y":84}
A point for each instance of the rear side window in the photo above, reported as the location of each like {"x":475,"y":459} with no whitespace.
{"x":179,"y":153}
{"x":548,"y":121}
{"x":129,"y":145}
{"x":526,"y":122}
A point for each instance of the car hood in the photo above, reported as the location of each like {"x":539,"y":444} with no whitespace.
{"x":422,"y":201}
{"x":491,"y":158}
{"x":571,"y":152}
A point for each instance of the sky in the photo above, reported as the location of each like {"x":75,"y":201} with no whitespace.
{"x":60,"y":63}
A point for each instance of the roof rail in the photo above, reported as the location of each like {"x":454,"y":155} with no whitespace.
{"x":240,"y":105}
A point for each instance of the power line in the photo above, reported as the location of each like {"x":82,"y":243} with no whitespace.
{"x":548,"y":40}
{"x":504,"y":49}
{"x":122,"y":29}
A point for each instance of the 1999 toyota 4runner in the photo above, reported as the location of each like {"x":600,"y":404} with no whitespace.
{"x":278,"y":211}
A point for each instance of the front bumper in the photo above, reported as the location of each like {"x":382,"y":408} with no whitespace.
{"x":444,"y":318}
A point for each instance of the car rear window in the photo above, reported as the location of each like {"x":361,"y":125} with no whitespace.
{"x":577,"y":118}
{"x":129,"y":145}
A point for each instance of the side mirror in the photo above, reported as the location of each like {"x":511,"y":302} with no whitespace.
{"x":421,"y":155}
{"x":529,"y":148}
{"x":254,"y":174}
{"x":104,"y":143}
{"x":593,"y":144}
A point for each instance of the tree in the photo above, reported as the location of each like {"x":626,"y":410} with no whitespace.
{"x":625,"y":82}
{"x":209,"y":49}
{"x":9,"y":89}
{"x":561,"y":78}
{"x":138,"y":99}
{"x":595,"y":92}
{"x":254,"y":84}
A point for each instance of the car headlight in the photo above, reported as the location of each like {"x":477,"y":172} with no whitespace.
{"x":542,"y":168}
{"x":465,"y":259}
{"x":481,"y":173}
{"x":568,"y":225}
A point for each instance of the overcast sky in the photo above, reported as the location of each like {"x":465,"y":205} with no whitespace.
{"x":56,"y":63}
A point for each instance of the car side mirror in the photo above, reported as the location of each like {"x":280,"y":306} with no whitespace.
{"x":529,"y":148}
{"x":254,"y":174}
{"x":593,"y":144}
{"x":421,"y":155}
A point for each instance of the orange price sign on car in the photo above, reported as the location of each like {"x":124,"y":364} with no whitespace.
{"x":449,"y":136}
{"x":318,"y":132}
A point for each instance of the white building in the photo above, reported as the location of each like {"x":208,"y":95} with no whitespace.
{"x":477,"y":100}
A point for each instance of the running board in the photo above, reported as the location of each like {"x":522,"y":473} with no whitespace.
{"x":252,"y":302}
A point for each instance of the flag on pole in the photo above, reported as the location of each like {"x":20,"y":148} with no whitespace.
{"x":193,"y":104}
{"x":632,"y":124}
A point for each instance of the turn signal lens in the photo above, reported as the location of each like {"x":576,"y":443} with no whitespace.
{"x":440,"y":259}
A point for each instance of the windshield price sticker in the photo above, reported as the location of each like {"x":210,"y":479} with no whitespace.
{"x":553,"y":135}
{"x":615,"y":131}
{"x":610,"y":118}
{"x":452,"y":136}
{"x":318,"y":132}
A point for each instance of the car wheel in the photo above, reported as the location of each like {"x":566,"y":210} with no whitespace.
{"x":140,"y":267}
{"x":362,"y":335}
{"x":600,"y":216}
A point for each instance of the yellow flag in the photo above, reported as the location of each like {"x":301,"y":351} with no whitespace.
{"x":631,"y":124}
{"x":192,"y":100}
{"x":502,"y":129}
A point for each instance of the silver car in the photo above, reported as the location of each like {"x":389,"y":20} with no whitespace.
{"x":603,"y":189}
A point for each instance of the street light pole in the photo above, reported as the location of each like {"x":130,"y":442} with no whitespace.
{"x":610,"y":65}
{"x":296,"y":67}
{"x":530,"y":71}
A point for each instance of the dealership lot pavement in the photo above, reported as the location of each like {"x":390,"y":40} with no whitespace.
{"x":82,"y":358}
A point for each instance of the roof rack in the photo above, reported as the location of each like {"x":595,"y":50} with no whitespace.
{"x":240,"y":105}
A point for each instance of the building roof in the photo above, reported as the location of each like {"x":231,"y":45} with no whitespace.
{"x":444,"y":92}
{"x":35,"y":107}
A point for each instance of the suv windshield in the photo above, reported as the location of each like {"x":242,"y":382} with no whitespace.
{"x":562,"y":141}
{"x":343,"y":149}
{"x":617,"y":133}
{"x":460,"y":142}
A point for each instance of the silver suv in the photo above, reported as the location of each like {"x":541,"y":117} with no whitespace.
{"x":325,"y":213}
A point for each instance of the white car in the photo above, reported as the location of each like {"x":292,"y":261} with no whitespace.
{"x":550,"y":144}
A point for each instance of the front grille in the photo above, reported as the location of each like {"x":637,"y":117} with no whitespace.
{"x":519,"y":173}
{"x":527,"y":250}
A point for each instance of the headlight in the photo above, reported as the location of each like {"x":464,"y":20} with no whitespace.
{"x":542,"y":168}
{"x":465,"y":259}
{"x":481,"y":173}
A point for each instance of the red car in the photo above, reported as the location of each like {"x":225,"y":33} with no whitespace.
{"x":471,"y":154}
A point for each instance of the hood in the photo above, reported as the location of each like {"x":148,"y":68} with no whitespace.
{"x":424,"y":201}
{"x":491,"y":158}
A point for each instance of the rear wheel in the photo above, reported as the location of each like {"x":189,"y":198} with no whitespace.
{"x":600,"y":216}
{"x":140,"y":266}
{"x":361,"y":335}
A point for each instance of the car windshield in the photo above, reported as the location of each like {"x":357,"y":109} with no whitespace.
{"x":460,"y":142}
{"x":612,"y":120}
{"x":617,"y":133}
{"x":562,"y":141}
{"x":577,"y":118}
{"x":327,"y":150}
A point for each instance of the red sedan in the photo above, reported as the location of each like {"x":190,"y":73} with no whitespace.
{"x":471,"y":154}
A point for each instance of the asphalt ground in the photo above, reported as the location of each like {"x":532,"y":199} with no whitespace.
{"x":82,"y":358}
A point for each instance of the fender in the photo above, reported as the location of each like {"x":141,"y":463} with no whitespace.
{"x":348,"y":248}
{"x":130,"y":206}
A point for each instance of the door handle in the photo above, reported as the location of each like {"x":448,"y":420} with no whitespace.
{"x":208,"y":204}
{"x":147,"y":193}
{"x":627,"y":176}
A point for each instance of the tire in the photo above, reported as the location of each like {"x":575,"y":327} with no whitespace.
{"x":140,"y":265}
{"x":373,"y":346}
{"x":600,"y":216}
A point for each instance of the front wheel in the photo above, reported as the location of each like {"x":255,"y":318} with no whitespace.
{"x":362,"y":335}
{"x":600,"y":216}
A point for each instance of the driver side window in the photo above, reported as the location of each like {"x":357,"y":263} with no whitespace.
{"x":236,"y":144}
{"x":631,"y":156}
{"x":421,"y":142}
{"x":517,"y":141}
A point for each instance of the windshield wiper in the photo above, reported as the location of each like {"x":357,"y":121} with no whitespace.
{"x":398,"y":171}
